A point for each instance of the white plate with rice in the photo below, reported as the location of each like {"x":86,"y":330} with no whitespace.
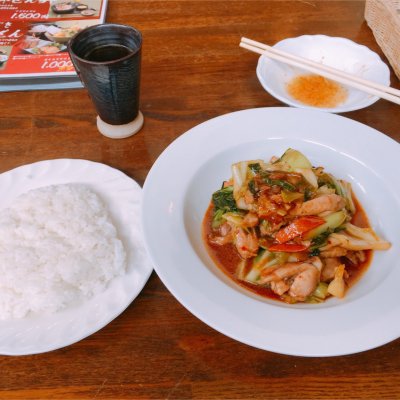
{"x":76,"y":306}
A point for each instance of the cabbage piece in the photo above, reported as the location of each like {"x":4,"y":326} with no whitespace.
{"x":241,"y":174}
{"x":342,"y":188}
{"x":347,"y":191}
{"x":234,"y":218}
{"x":324,"y":190}
{"x":240,"y":270}
{"x":264,"y":260}
{"x":321,"y":291}
{"x":309,"y":176}
{"x":294,"y":161}
{"x":337,"y":287}
{"x":356,"y":238}
{"x":319,"y":294}
{"x":217,"y":218}
{"x":332,"y":221}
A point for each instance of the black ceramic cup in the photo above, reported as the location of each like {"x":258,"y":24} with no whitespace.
{"x":107,"y":58}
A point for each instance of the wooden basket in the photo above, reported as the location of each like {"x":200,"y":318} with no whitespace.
{"x":383,"y":17}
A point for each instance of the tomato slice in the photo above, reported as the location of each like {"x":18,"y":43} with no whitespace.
{"x":288,"y":247}
{"x":298,"y":227}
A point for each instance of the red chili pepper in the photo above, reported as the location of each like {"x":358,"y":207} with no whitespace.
{"x":298,"y":227}
{"x":288,"y":247}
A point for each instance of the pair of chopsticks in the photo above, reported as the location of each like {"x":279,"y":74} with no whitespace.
{"x":373,"y":88}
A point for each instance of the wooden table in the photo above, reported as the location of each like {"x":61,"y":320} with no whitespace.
{"x":193,"y":70}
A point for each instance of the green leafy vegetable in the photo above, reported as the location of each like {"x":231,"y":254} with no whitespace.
{"x":314,"y":252}
{"x":320,"y":240}
{"x":278,"y":182}
{"x":217,"y":218}
{"x":255,"y":168}
{"x":324,"y":180}
{"x":223,"y":199}
{"x":253,"y":187}
{"x":307,"y":194}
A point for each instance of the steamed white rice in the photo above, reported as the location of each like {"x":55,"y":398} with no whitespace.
{"x":58,"y":246}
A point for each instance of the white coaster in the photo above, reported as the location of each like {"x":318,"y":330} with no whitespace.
{"x":120,"y":131}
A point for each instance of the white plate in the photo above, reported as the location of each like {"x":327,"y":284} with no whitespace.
{"x":339,"y":53}
{"x":122,"y":195}
{"x":178,"y":190}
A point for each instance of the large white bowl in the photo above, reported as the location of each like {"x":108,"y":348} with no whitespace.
{"x":178,"y":190}
{"x":339,"y":53}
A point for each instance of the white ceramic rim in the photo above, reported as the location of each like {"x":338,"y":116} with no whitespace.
{"x":369,"y":315}
{"x":122,"y":196}
{"x":264,"y":61}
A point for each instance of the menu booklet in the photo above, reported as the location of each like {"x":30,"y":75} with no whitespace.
{"x":33,"y":41}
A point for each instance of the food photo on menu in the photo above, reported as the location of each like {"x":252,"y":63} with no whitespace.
{"x":75,"y":9}
{"x":3,"y":57}
{"x":34,"y":38}
{"x":50,"y":38}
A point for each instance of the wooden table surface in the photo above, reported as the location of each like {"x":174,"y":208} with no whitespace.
{"x":193,"y":70}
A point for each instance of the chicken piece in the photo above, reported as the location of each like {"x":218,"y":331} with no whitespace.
{"x":283,"y":272}
{"x":225,"y":235}
{"x":246,"y":243}
{"x":225,"y":229}
{"x":304,"y":283}
{"x":279,"y":287}
{"x":298,"y":279}
{"x":277,"y":198}
{"x":250,"y":220}
{"x":333,"y":252}
{"x":248,"y":197}
{"x":328,"y":202}
{"x":265,"y":206}
{"x":269,"y":228}
{"x":220,"y":240}
{"x":329,"y":268}
{"x":356,"y":257}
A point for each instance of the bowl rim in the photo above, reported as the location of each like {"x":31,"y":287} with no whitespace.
{"x":164,"y":200}
{"x":263,"y":61}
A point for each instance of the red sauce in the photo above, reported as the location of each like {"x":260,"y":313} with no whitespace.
{"x":317,"y":91}
{"x":355,"y":271}
{"x":227,"y":258}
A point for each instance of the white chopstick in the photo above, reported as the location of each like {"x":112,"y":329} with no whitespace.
{"x":373,"y":88}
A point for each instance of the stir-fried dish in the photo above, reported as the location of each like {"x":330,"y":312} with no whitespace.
{"x":288,"y":230}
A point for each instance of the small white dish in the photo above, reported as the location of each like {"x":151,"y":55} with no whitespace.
{"x":178,"y":191}
{"x":339,"y":53}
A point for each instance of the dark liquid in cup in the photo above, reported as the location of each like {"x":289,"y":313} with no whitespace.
{"x":109,"y":52}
